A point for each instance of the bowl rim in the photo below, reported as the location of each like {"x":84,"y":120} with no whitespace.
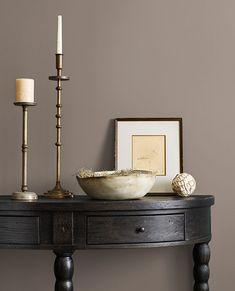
{"x":116,"y":174}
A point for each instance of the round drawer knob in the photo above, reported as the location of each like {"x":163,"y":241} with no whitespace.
{"x":140,"y":229}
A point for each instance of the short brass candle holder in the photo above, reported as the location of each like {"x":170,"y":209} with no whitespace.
{"x":58,"y":192}
{"x":24,"y":194}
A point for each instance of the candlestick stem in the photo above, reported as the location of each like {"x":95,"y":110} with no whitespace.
{"x":58,"y":192}
{"x":58,"y":127}
{"x":24,"y":187}
{"x":24,"y":194}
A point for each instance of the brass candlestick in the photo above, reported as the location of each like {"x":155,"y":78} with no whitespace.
{"x":24,"y":194}
{"x":58,"y":192}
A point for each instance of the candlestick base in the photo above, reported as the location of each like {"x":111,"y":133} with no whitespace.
{"x":58,"y":193}
{"x":25,"y":196}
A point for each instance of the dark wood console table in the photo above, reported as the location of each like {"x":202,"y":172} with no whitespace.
{"x":80,"y":223}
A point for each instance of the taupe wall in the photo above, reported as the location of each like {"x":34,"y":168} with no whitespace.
{"x":126,"y":58}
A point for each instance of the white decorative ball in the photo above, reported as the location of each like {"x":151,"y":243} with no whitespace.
{"x":184,"y":184}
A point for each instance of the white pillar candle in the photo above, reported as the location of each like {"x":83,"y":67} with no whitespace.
{"x":59,"y":35}
{"x":24,"y":90}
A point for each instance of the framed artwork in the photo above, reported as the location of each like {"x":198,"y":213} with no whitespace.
{"x":154,"y":144}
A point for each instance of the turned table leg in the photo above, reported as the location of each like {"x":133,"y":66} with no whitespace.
{"x":201,"y":256}
{"x":63,"y":269}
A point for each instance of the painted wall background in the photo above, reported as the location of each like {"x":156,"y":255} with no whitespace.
{"x":126,"y":58}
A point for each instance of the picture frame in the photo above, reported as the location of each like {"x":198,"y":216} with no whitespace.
{"x":154,"y":144}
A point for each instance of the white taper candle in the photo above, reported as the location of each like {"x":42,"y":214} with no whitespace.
{"x":59,"y":35}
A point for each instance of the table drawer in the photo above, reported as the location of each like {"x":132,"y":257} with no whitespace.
{"x":134,"y":229}
{"x":19,"y":230}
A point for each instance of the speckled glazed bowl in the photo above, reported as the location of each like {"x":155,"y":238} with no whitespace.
{"x":112,"y":185}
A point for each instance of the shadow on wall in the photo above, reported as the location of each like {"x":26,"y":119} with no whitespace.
{"x":105,"y":159}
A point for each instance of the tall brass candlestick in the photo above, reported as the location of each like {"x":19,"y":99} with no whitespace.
{"x":24,"y":194}
{"x":58,"y":192}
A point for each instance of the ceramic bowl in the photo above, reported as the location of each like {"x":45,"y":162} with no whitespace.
{"x":110,"y":185}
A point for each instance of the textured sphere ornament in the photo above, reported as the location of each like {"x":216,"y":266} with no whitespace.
{"x":184,"y":184}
